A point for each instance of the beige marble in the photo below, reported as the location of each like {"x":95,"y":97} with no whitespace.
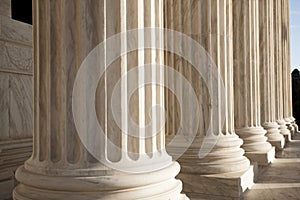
{"x":15,"y":57}
{"x":16,"y":106}
{"x":247,"y":82}
{"x":15,"y":31}
{"x":286,"y":69}
{"x":20,"y":106}
{"x":267,"y":74}
{"x":210,"y":24}
{"x":16,"y":97}
{"x":217,"y":186}
{"x":5,"y":8}
{"x":287,"y":86}
{"x":279,"y":74}
{"x":281,"y":179}
{"x":290,"y":102}
{"x":4,"y":105}
{"x":13,"y":153}
{"x":61,"y":167}
{"x":247,"y":39}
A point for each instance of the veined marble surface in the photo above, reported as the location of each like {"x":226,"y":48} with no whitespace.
{"x":15,"y":57}
{"x":16,"y":81}
{"x":5,"y":7}
{"x":16,"y":31}
{"x":281,"y":180}
{"x":16,"y":105}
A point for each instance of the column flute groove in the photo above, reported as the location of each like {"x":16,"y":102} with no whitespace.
{"x":266,"y":47}
{"x":62,"y":165}
{"x":278,"y":62}
{"x":247,"y":82}
{"x":209,"y":23}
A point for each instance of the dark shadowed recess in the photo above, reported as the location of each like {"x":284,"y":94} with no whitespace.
{"x":21,"y":10}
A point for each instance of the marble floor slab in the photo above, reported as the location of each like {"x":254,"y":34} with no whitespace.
{"x":281,"y":180}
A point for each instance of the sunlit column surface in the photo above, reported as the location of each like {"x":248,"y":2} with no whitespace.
{"x":62,"y":165}
{"x":209,"y":23}
{"x":267,"y":78}
{"x":247,"y":82}
{"x":279,"y":74}
{"x":287,"y":87}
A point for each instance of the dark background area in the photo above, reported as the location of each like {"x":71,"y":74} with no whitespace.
{"x":296,"y":95}
{"x":21,"y":10}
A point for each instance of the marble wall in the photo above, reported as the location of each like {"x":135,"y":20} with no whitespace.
{"x":16,"y":96}
{"x":16,"y":79}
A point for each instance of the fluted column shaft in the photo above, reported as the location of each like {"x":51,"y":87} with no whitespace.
{"x":267,"y":80}
{"x":279,"y":74}
{"x":209,"y":23}
{"x":287,"y":90}
{"x":289,"y":64}
{"x":62,"y":165}
{"x":247,"y":81}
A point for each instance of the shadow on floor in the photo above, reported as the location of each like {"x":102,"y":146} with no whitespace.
{"x":281,"y":180}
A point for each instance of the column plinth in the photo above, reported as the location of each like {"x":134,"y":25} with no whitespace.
{"x":273,"y":133}
{"x":256,"y":146}
{"x":290,"y":126}
{"x":284,"y":130}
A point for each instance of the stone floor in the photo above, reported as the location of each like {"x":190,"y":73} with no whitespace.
{"x":281,"y":180}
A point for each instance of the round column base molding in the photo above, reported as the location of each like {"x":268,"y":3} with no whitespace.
{"x":159,"y":184}
{"x":273,"y":132}
{"x":294,"y":124}
{"x":254,"y":139}
{"x":226,"y":156}
{"x":284,"y":130}
{"x":289,"y":125}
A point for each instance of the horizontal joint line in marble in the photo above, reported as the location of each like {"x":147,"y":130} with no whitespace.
{"x":11,"y":71}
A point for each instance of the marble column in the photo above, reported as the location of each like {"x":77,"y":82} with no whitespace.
{"x":267,"y":74}
{"x":209,"y":23}
{"x":247,"y":82}
{"x":287,"y":80}
{"x":61,"y":167}
{"x":278,"y":62}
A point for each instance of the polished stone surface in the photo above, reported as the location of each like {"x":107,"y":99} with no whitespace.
{"x":281,"y":179}
{"x":62,"y":166}
{"x":210,"y":24}
{"x":247,"y":82}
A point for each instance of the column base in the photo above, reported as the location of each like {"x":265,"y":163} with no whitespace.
{"x":264,"y":158}
{"x":290,"y":126}
{"x":227,"y":185}
{"x":160,"y":185}
{"x":274,"y":137}
{"x":294,"y":124}
{"x":284,"y":130}
{"x":279,"y":144}
{"x":296,"y":127}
